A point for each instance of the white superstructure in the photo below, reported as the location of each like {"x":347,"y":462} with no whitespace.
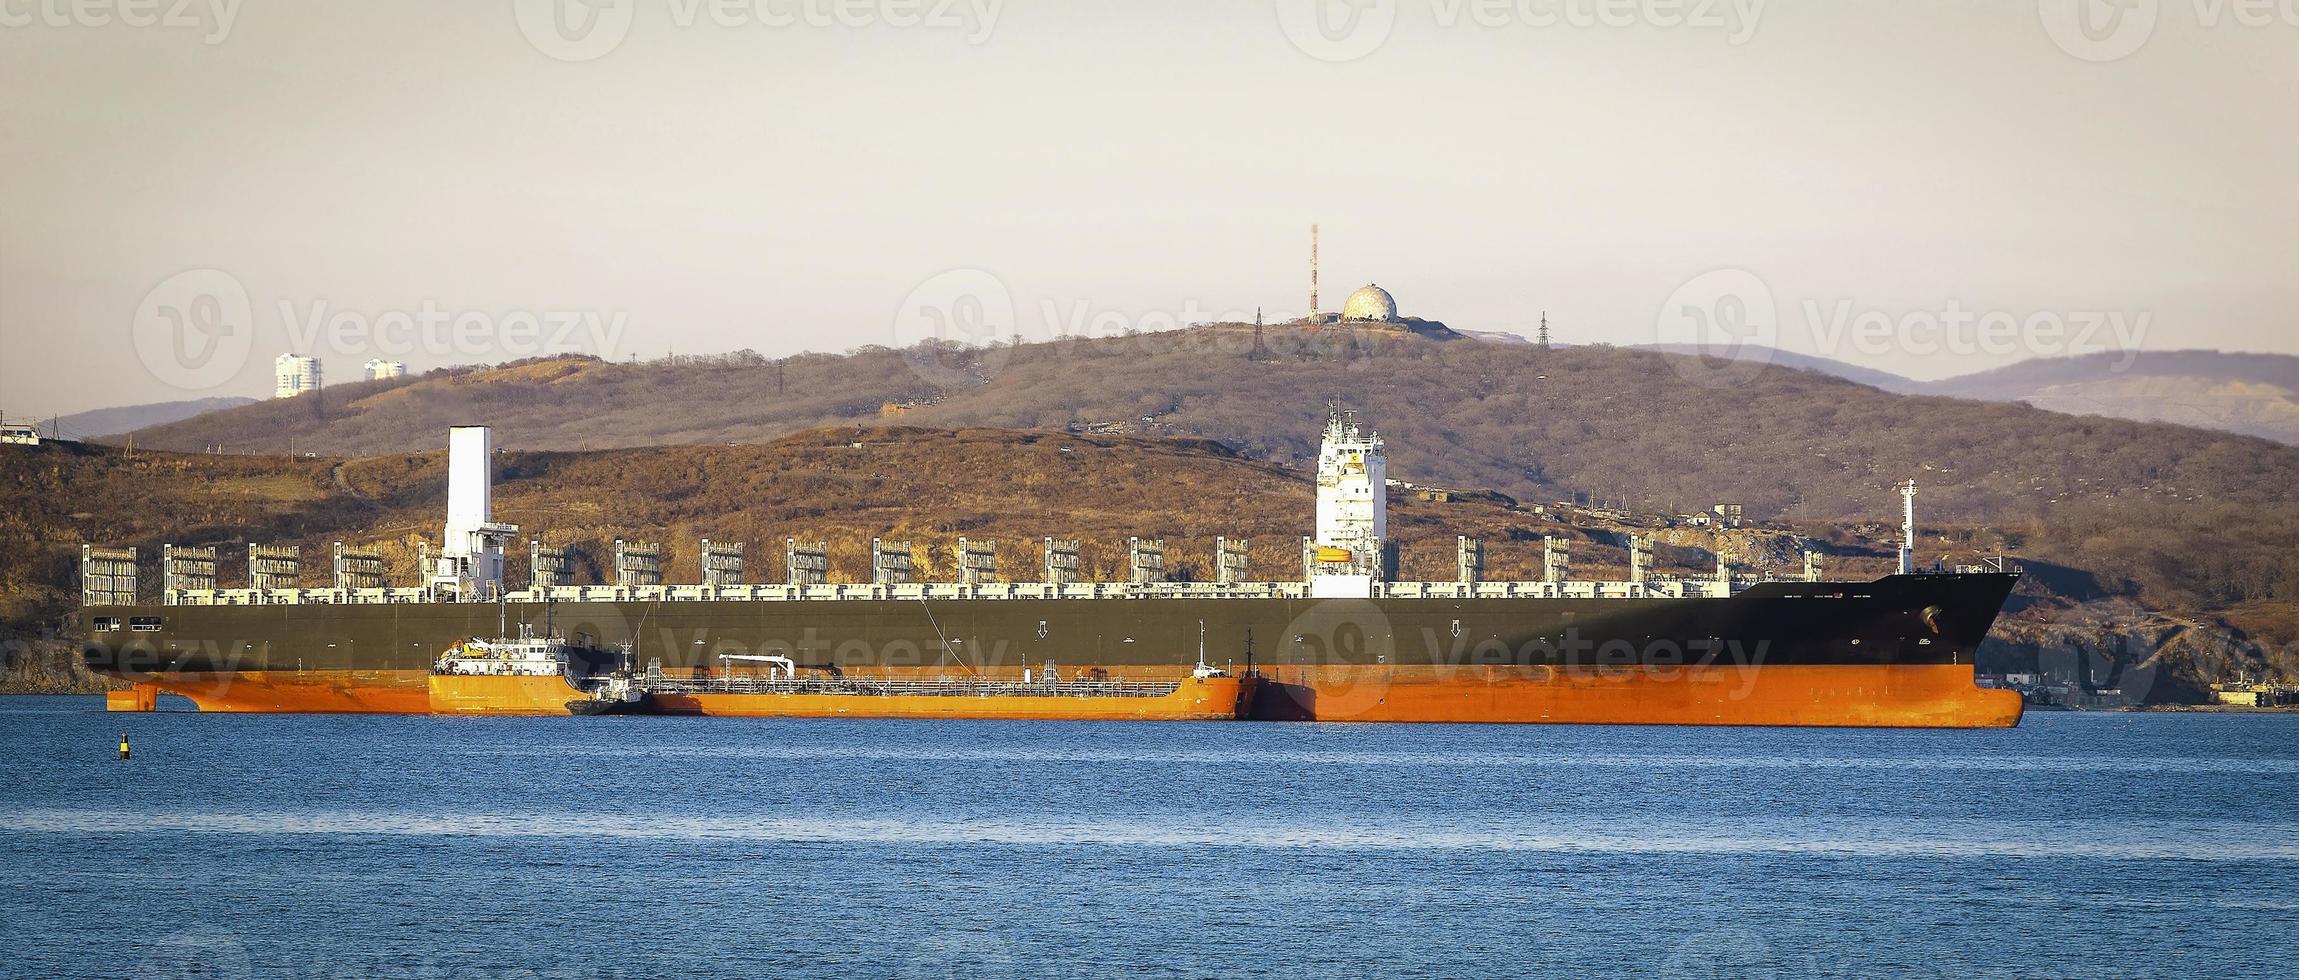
{"x":471,"y":561}
{"x":1352,"y":510}
{"x":294,"y":374}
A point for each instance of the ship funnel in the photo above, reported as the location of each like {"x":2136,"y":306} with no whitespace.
{"x":470,"y":484}
{"x":471,"y":561}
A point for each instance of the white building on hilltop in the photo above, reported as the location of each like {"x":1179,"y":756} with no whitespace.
{"x":1351,"y":546}
{"x":379,"y":369}
{"x":294,"y":375}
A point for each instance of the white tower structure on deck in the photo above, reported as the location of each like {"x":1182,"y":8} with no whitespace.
{"x":1352,"y":510}
{"x":1908,"y":527}
{"x":470,"y":565}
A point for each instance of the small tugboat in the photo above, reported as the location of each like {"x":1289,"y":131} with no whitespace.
{"x":529,"y":675}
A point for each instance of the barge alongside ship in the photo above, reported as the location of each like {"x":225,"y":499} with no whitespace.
{"x":1342,"y":643}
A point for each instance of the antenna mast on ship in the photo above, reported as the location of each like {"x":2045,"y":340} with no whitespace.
{"x":1908,"y":527}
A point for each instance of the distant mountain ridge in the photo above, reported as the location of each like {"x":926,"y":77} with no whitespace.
{"x":2244,"y":393}
{"x":100,"y":422}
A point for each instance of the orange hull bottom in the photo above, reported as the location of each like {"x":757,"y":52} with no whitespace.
{"x":1211,"y":699}
{"x":1926,"y":696}
{"x":531,"y":696}
{"x":358,"y":692}
{"x":1901,"y":696}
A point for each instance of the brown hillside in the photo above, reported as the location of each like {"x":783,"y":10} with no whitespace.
{"x":1536,"y":424}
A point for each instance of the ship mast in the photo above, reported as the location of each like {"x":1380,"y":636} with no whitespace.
{"x":1908,"y":527}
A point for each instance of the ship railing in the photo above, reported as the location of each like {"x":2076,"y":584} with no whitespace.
{"x":1655,"y":588}
{"x":1575,"y":589}
{"x":912,"y":592}
{"x":922,"y":687}
{"x":292,"y":597}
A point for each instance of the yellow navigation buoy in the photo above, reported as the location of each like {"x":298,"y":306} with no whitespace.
{"x":123,"y":746}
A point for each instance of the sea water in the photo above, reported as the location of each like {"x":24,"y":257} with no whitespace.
{"x":2078,"y":845}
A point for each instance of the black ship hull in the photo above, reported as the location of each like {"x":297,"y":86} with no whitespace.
{"x":1895,"y":651}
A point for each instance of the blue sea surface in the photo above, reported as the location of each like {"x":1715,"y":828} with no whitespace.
{"x":2078,"y":845}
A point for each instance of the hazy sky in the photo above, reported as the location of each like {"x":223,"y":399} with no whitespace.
{"x":805,"y":174}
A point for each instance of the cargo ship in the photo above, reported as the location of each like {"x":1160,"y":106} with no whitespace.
{"x":1344,"y":641}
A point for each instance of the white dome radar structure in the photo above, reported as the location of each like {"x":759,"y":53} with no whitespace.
{"x":1371,"y":303}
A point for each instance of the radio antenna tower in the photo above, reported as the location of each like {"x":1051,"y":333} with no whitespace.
{"x":1544,"y":341}
{"x":1313,"y":311}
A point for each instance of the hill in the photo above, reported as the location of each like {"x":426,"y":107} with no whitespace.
{"x":1617,"y":424}
{"x":128,"y":418}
